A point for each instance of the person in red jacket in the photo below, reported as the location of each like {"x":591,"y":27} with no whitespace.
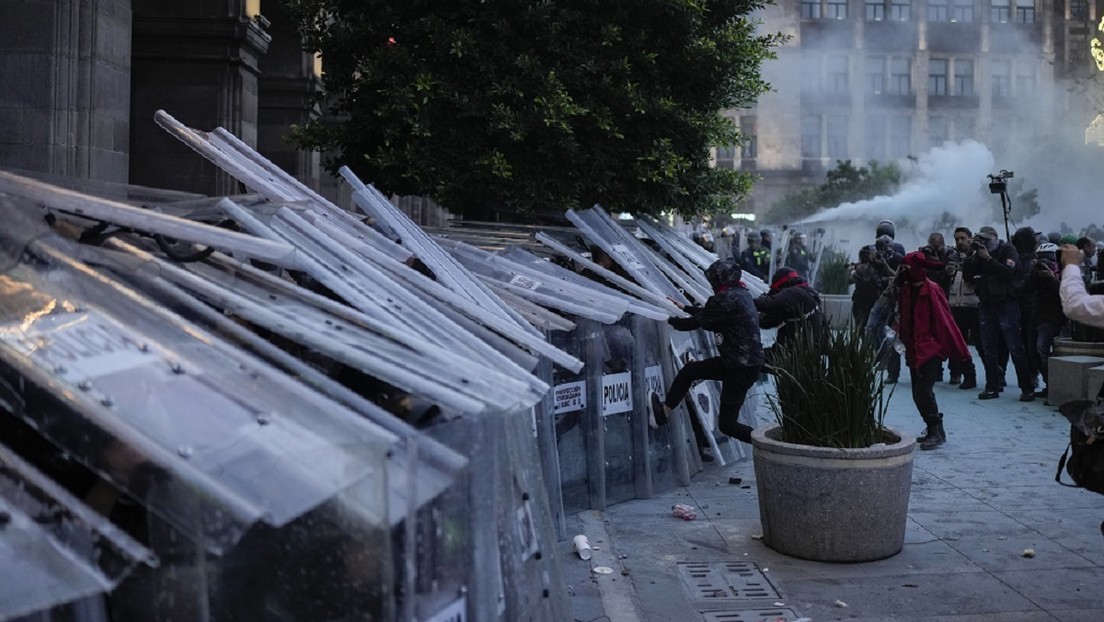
{"x":930,"y":335}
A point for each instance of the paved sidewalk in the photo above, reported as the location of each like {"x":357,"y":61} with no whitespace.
{"x":977,"y":503}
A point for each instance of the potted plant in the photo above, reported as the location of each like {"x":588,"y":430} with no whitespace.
{"x":833,"y":481}
{"x":832,"y":284}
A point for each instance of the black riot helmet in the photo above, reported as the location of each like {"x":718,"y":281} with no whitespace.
{"x":723,"y":272}
{"x":885,"y":228}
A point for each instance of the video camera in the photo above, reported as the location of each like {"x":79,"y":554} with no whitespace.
{"x":998,"y":184}
{"x":979,"y":241}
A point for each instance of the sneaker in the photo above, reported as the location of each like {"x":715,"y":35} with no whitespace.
{"x":657,"y":418}
{"x":988,"y":395}
{"x":954,"y":380}
{"x":1027,"y":397}
{"x":969,"y":383}
{"x":1041,"y":392}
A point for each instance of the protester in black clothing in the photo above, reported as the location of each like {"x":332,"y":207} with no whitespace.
{"x":994,"y":267}
{"x":1050,"y":321}
{"x":790,"y":301}
{"x":730,"y":313}
{"x":1024,"y":240}
{"x":755,"y":259}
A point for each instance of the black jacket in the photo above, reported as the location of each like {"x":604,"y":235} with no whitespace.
{"x":787,"y":307}
{"x":755,"y":261}
{"x":730,"y":314}
{"x":997,"y":279}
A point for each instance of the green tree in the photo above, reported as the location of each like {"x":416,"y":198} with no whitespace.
{"x":843,"y":184}
{"x":536,"y":105}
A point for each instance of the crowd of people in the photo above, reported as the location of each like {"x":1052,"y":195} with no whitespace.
{"x":1010,"y":299}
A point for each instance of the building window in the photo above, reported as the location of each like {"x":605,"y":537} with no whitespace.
{"x":748,"y":129}
{"x":837,"y":9}
{"x":963,"y":77}
{"x":937,"y":129}
{"x":837,"y":137}
{"x":1025,"y":11}
{"x":810,"y":136}
{"x":875,"y":10}
{"x":963,"y":11}
{"x":1079,"y":9}
{"x":900,"y":77}
{"x":900,"y":136}
{"x":875,"y":137}
{"x":1000,"y":77}
{"x":1025,"y":78}
{"x":938,"y":11}
{"x":1000,"y":11}
{"x":899,"y":10}
{"x":836,"y":75}
{"x":937,"y":76}
{"x":875,"y":75}
{"x":810,"y":76}
{"x":964,"y":127}
{"x":810,"y":10}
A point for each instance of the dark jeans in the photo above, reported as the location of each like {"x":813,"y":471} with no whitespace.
{"x":1002,"y":320}
{"x":735,"y":383}
{"x":1045,"y":334}
{"x":967,"y":320}
{"x":923,"y":387}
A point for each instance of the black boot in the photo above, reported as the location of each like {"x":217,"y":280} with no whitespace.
{"x":935,"y":435}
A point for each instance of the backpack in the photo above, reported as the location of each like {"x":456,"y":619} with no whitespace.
{"x":1086,"y":455}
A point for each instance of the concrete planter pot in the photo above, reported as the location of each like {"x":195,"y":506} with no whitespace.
{"x":833,"y":505}
{"x":837,"y":309}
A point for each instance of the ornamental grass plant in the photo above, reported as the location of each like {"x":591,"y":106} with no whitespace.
{"x":829,"y":391}
{"x":833,"y":272}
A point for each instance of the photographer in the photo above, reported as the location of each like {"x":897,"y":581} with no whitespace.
{"x":937,"y":251}
{"x":964,"y":308}
{"x":1024,"y":240}
{"x":1049,"y":319}
{"x":994,"y":268}
{"x":870,"y":277}
{"x":1077,"y":303}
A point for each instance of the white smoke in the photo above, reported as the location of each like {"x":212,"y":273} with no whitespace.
{"x":943,"y":189}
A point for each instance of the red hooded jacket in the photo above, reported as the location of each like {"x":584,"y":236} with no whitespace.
{"x":926,"y":326}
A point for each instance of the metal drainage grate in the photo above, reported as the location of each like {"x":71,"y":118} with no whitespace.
{"x":727,"y":581}
{"x":750,"y":615}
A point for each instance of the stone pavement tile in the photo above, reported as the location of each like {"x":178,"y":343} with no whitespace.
{"x":1006,"y":616}
{"x":674,"y":540}
{"x":582,"y":587}
{"x":996,"y":555}
{"x":973,"y":523}
{"x":943,"y":498}
{"x":654,"y":509}
{"x":1077,"y":615}
{"x":1072,"y":588}
{"x":996,"y":469}
{"x":882,"y":597}
{"x":1011,"y":498}
{"x":1077,"y":529}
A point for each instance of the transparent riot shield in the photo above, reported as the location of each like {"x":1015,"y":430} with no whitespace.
{"x":571,"y":402}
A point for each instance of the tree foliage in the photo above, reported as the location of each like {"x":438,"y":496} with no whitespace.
{"x":843,"y":184}
{"x":536,"y":105}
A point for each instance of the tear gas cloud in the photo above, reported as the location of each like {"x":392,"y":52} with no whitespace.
{"x":948,"y":187}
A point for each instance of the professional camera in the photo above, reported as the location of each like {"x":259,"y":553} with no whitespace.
{"x":979,"y":242}
{"x":998,"y":184}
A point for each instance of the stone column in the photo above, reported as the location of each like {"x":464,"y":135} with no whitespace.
{"x":199,"y":61}
{"x":288,"y":85}
{"x":65,"y":87}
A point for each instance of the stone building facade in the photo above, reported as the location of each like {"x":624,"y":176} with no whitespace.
{"x":887,"y":79}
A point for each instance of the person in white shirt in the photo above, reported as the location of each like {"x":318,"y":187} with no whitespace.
{"x":1077,"y":303}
